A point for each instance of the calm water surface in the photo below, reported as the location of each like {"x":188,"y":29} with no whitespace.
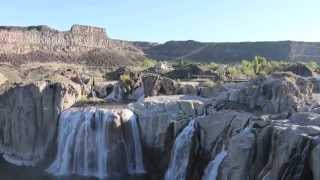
{"x":11,"y":172}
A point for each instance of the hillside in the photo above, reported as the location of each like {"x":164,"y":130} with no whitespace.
{"x":234,"y":52}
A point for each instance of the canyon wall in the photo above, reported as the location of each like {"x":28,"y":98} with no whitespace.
{"x":23,"y":40}
{"x":81,"y":43}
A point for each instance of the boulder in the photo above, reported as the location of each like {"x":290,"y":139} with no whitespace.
{"x":157,"y":85}
{"x":103,"y":89}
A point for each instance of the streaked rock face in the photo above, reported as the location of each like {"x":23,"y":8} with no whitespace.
{"x":98,"y":142}
{"x":280,"y":141}
{"x":29,"y":117}
{"x":277,"y":93}
{"x":161,"y":118}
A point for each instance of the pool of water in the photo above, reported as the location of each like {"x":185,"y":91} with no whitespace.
{"x":11,"y":172}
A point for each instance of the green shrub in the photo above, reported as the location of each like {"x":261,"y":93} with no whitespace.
{"x":126,"y":81}
{"x":259,"y":66}
{"x":233,"y":71}
{"x":247,"y":68}
{"x":312,"y":65}
{"x":148,"y":63}
{"x":212,"y":66}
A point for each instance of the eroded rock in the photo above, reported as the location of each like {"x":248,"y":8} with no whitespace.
{"x":277,"y":93}
{"x":300,"y":69}
{"x":160,"y":119}
{"x":29,"y":116}
{"x":157,"y":85}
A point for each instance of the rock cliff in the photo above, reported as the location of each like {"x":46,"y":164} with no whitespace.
{"x":29,"y":117}
{"x":80,"y":43}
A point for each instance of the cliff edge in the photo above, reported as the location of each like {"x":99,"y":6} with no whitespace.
{"x":81,"y":44}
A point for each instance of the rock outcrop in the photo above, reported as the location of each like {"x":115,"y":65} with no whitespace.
{"x":257,"y":148}
{"x":277,"y":93}
{"x":160,"y":119}
{"x":81,"y":44}
{"x":29,"y":117}
{"x":154,"y":85}
{"x":300,"y":69}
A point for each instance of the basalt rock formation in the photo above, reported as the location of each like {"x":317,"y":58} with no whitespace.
{"x":161,"y":119}
{"x":236,"y":143}
{"x":82,"y":44}
{"x":277,"y":93}
{"x":29,"y":118}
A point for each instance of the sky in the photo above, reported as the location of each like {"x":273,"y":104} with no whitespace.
{"x":164,"y":20}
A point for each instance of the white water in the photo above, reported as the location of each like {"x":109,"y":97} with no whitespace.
{"x":97,"y":142}
{"x":211,"y":172}
{"x":116,"y":94}
{"x":137,"y":94}
{"x":180,"y":155}
{"x":136,"y":163}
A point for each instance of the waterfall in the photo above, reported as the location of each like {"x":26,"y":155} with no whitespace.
{"x":181,"y":152}
{"x":97,"y":142}
{"x":116,"y":94}
{"x":136,"y":162}
{"x":137,"y":94}
{"x":212,"y":169}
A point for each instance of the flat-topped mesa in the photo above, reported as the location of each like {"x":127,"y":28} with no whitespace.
{"x":20,"y":40}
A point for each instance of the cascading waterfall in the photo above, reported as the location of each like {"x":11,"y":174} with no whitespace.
{"x":97,"y":142}
{"x":135,"y":160}
{"x":211,"y":172}
{"x":116,"y":94}
{"x":181,"y":152}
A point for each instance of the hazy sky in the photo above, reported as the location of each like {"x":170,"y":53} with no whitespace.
{"x":163,"y":20}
